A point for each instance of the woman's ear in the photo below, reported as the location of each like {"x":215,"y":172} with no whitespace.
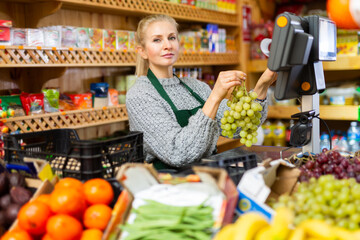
{"x":142,"y":52}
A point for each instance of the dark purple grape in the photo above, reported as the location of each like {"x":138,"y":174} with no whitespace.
{"x":351,"y":174}
{"x":344,"y":163}
{"x":309,"y":164}
{"x":343,"y":175}
{"x":317,"y":175}
{"x":303,"y":178}
{"x":357,"y":168}
{"x":324,"y":166}
{"x":338,"y":169}
{"x":317,"y":170}
{"x":356,"y":161}
{"x":336,"y":154}
{"x":324,"y":150}
{"x":329,"y":169}
{"x":350,"y":168}
{"x":337,"y":161}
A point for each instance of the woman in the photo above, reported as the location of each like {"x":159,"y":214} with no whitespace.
{"x":180,"y":118}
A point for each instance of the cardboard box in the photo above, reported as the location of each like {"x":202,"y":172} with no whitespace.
{"x":265,"y":182}
{"x":44,"y":187}
{"x":138,"y":177}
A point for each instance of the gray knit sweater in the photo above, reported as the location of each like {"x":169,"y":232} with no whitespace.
{"x":163,"y":137}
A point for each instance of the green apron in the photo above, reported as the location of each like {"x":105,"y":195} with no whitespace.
{"x":182,"y":116}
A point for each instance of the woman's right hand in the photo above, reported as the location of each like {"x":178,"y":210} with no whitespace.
{"x":225,"y":83}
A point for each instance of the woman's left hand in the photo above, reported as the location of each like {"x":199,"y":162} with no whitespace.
{"x":225,"y":83}
{"x":267,"y":78}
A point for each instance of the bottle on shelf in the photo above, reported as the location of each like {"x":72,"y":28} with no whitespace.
{"x":279,"y":134}
{"x":324,"y":141}
{"x":268,"y":133}
{"x":343,"y":146}
{"x":353,"y":135}
{"x":288,"y":132}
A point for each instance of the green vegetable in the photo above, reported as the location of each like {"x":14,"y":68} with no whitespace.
{"x":157,"y":221}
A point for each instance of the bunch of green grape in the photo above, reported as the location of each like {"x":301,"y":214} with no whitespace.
{"x":244,"y":113}
{"x":337,"y":202}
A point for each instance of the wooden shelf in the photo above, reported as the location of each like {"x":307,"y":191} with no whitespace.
{"x":14,"y":56}
{"x":347,"y":112}
{"x":342,"y":63}
{"x":70,"y":119}
{"x":145,"y":7}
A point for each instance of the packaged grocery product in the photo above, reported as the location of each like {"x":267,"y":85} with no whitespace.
{"x":96,"y":36}
{"x":347,"y":42}
{"x":34,"y":37}
{"x":122,"y":40}
{"x":33,"y":103}
{"x":341,"y":95}
{"x":5,"y":26}
{"x":81,"y":100}
{"x":52,"y":38}
{"x":82,"y":36}
{"x":131,"y":40}
{"x":109,"y":39}
{"x":66,"y":103}
{"x":120,"y":85}
{"x":18,"y":37}
{"x":279,"y":134}
{"x":11,"y":106}
{"x":68,"y":36}
{"x":113,"y":97}
{"x":100,"y":92}
{"x":51,"y":100}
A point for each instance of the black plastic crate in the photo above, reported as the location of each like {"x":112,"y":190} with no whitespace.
{"x":71,"y":157}
{"x":234,"y":161}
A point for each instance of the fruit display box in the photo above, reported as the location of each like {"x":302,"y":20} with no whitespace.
{"x":137,"y":177}
{"x":262,"y":183}
{"x":43,"y":187}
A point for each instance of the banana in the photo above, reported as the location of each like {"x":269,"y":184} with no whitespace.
{"x":248,"y":225}
{"x":227,"y":232}
{"x":357,"y":234}
{"x":280,"y":224}
{"x":343,"y":234}
{"x":317,"y":229}
{"x":297,"y":234}
{"x":264,"y":234}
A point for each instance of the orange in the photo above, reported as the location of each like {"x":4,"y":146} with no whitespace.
{"x":67,"y":201}
{"x":339,"y":11}
{"x":70,"y":182}
{"x":47,"y":237}
{"x":33,"y":216}
{"x":64,"y":227}
{"x":97,"y":216}
{"x":98,"y":191}
{"x":16,"y":235}
{"x":45,"y":198}
{"x":91,"y":234}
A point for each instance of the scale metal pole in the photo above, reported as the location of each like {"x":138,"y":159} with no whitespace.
{"x":308,"y":103}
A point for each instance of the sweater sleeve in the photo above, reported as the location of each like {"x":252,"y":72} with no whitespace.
{"x":164,"y":137}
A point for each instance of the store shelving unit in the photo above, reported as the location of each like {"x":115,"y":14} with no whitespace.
{"x":349,"y":113}
{"x":68,"y":119}
{"x":40,"y":57}
{"x":343,"y":63}
{"x":180,"y":12}
{"x":14,"y":56}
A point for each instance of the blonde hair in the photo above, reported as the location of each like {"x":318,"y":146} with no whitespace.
{"x":142,"y":65}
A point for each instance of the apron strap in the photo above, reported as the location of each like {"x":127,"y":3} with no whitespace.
{"x":155,"y":82}
{"x":196,"y":96}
